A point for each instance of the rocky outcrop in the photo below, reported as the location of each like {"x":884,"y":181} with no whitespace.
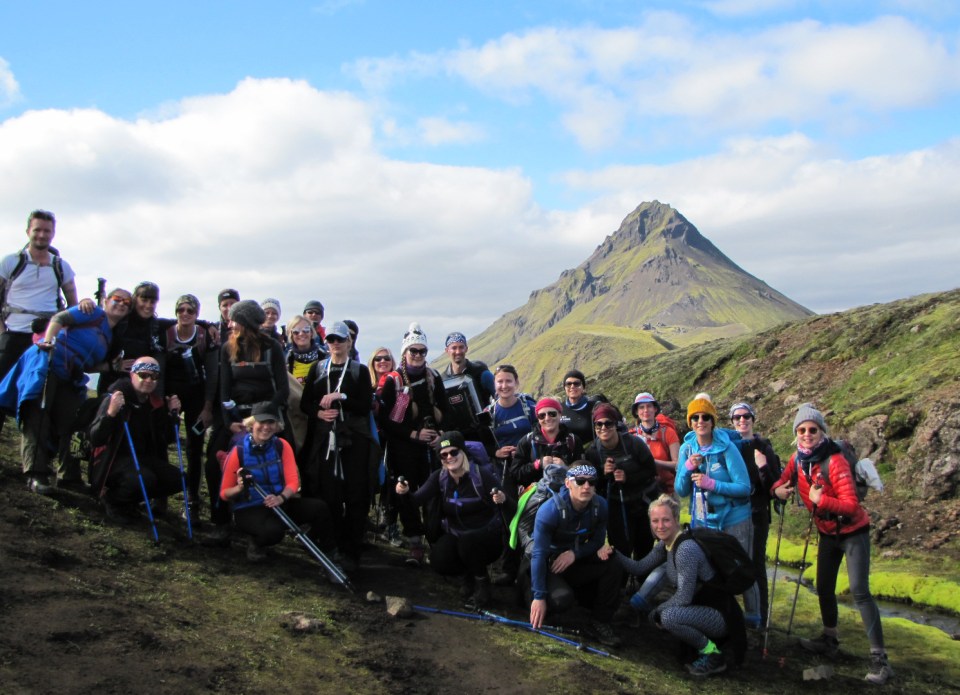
{"x":934,"y":453}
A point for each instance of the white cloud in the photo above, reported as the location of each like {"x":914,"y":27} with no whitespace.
{"x":9,"y":89}
{"x":441,"y":131}
{"x":277,"y":189}
{"x":827,"y":232}
{"x":707,"y":80}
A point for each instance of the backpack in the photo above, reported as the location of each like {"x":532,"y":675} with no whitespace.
{"x":732,"y":564}
{"x":55,"y":261}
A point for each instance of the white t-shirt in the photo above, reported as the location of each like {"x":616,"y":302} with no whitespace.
{"x":35,"y":289}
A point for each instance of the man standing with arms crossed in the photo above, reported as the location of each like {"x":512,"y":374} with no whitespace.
{"x":31,"y":281}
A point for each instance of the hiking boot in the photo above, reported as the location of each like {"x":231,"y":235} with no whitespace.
{"x":219,"y":537}
{"x":467,"y":585}
{"x":159,"y":506}
{"x":880,"y":671}
{"x":603,"y":633}
{"x":416,"y":558}
{"x":191,"y":509}
{"x":707,"y":665}
{"x":481,"y":595}
{"x":393,"y":537}
{"x":74,"y":485}
{"x":40,"y":486}
{"x":824,"y":644}
{"x":255,"y":553}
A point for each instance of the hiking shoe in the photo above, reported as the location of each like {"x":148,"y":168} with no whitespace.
{"x":880,"y":671}
{"x":602,"y":633}
{"x":707,"y":665}
{"x":481,"y":595}
{"x":824,"y":644}
{"x":416,"y":557}
{"x":219,"y":537}
{"x":39,"y":486}
{"x":191,"y":509}
{"x":255,"y":553}
{"x":393,"y":536}
{"x":75,"y":485}
{"x":467,"y":585}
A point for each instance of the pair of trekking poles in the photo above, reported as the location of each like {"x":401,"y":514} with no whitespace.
{"x":776,"y":567}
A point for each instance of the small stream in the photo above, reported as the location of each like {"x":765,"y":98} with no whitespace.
{"x":947,"y":622}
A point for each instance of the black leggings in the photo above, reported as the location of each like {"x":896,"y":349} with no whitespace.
{"x":471,"y":551}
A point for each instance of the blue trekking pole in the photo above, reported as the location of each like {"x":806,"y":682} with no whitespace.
{"x":143,"y":487}
{"x":183,"y":478}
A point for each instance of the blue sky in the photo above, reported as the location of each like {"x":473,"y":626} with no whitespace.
{"x":438,"y":161}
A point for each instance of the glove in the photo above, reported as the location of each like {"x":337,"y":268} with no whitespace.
{"x":708,"y":484}
{"x":245,"y":478}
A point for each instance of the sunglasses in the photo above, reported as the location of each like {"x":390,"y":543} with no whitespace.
{"x":742,"y":416}
{"x":807,"y":430}
{"x":449,"y":454}
{"x":312,"y":312}
{"x":604,"y":424}
{"x":335,"y":339}
{"x":547,"y":413}
{"x":417,"y":352}
{"x":189,"y":310}
{"x":148,"y":376}
{"x":572,"y":384}
{"x":580,"y":482}
{"x":701,"y":416}
{"x":117,"y":299}
{"x":302,"y":331}
{"x":383,"y":358}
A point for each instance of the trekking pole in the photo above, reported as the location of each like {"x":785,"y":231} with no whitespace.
{"x":803,"y":564}
{"x":773,"y":585}
{"x":579,"y":646}
{"x":623,"y":513}
{"x":143,"y":486}
{"x":503,"y":518}
{"x":332,"y":569}
{"x":183,"y":478}
{"x":520,"y":623}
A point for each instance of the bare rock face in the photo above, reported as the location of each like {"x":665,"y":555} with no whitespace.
{"x":867,"y":437}
{"x":934,"y":454}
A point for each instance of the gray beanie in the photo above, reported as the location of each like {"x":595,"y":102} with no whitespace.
{"x":248,"y":314}
{"x":807,"y":413}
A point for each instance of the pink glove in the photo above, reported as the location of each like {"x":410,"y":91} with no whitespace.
{"x":693,"y":463}
{"x":708,"y":484}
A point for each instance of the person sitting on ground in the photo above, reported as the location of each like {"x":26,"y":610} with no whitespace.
{"x":578,"y":406}
{"x":819,"y":472}
{"x":471,"y":524}
{"x":660,"y":437}
{"x":47,"y":384}
{"x":763,"y":467}
{"x":631,"y":480}
{"x":264,"y":458}
{"x":715,"y":477}
{"x":568,"y":532}
{"x":133,"y":403}
{"x":698,"y":615}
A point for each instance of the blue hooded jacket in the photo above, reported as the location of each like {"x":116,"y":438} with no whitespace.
{"x":729,"y":502}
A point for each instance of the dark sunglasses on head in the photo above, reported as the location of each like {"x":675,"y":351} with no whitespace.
{"x":742,"y":416}
{"x":148,"y":376}
{"x":807,"y":430}
{"x":604,"y":424}
{"x":335,"y":339}
{"x":186,"y":310}
{"x":580,"y":482}
{"x":697,"y":417}
{"x":117,"y":299}
{"x":417,"y":352}
{"x":383,"y":358}
{"x":449,"y":454}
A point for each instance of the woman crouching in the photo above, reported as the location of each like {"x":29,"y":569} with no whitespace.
{"x":269,"y":462}
{"x":698,"y":617}
{"x":471,"y":523}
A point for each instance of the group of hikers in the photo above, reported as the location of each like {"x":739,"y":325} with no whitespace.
{"x":561,"y":498}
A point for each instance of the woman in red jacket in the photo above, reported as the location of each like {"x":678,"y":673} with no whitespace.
{"x":844,"y":528}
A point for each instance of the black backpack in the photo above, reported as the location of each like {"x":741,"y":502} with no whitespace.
{"x":733,"y":566}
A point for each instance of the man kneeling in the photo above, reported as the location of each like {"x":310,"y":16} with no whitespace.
{"x":132,"y":403}
{"x":569,"y":530}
